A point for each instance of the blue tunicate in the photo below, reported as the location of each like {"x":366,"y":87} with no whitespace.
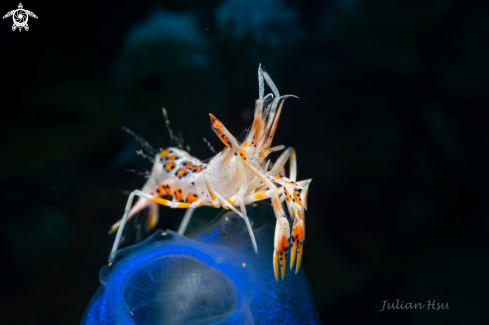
{"x":213,"y":277}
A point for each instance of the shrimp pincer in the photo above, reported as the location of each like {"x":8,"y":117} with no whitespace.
{"x":237,"y":176}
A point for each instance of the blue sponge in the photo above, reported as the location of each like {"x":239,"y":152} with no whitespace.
{"x":213,"y":277}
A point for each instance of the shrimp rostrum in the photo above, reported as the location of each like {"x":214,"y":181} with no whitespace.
{"x":235,"y":177}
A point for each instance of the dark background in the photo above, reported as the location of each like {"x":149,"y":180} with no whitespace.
{"x":391,"y":125}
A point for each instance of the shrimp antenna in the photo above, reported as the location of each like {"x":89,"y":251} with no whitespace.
{"x":173,"y":137}
{"x":261,"y":84}
{"x":181,"y":140}
{"x":209,"y":145}
{"x":141,"y":153}
{"x":145,"y":174}
{"x":141,"y":141}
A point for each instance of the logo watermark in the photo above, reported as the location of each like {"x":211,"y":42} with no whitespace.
{"x":429,"y":306}
{"x":20,"y":17}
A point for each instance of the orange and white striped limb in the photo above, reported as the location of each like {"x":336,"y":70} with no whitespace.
{"x":296,"y":201}
{"x":142,"y":204}
{"x":281,"y":245}
{"x":282,"y":228}
{"x":297,"y":243}
{"x":262,"y":195}
{"x":226,"y":137}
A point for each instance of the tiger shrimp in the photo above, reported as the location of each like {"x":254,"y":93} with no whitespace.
{"x":237,"y":176}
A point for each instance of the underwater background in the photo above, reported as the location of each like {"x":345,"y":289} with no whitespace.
{"x":391,"y":125}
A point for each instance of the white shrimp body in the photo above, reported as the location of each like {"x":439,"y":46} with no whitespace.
{"x":233,"y":178}
{"x":178,"y":176}
{"x":222,"y":173}
{"x":175,"y":176}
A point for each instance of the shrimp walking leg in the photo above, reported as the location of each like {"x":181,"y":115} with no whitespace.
{"x":225,"y":203}
{"x":266,"y":194}
{"x":295,"y":205}
{"x":140,"y":205}
{"x":247,"y":221}
{"x":282,"y":230}
{"x":152,"y":218}
{"x":185,"y":221}
{"x":280,"y":163}
{"x":279,"y":166}
{"x":216,"y":195}
{"x":262,"y":195}
{"x":240,"y":197}
{"x":150,"y":198}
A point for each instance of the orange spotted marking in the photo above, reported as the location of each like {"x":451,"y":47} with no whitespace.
{"x":178,"y":195}
{"x":164,"y":153}
{"x":171,"y":157}
{"x":191,"y":198}
{"x":298,"y":233}
{"x":189,"y":166}
{"x":167,"y":190}
{"x":283,"y":244}
{"x":297,"y":245}
{"x":288,"y":195}
{"x":161,"y":191}
{"x":215,"y":123}
{"x":282,"y":179}
{"x":242,"y":153}
{"x":296,"y":197}
{"x":168,"y":203}
{"x":217,"y":126}
{"x":279,"y":253}
{"x":169,"y":166}
{"x":181,"y":172}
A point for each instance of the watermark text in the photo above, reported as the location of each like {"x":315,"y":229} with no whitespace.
{"x":430,"y":305}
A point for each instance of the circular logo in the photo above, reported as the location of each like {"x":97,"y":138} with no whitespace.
{"x":20,"y":17}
